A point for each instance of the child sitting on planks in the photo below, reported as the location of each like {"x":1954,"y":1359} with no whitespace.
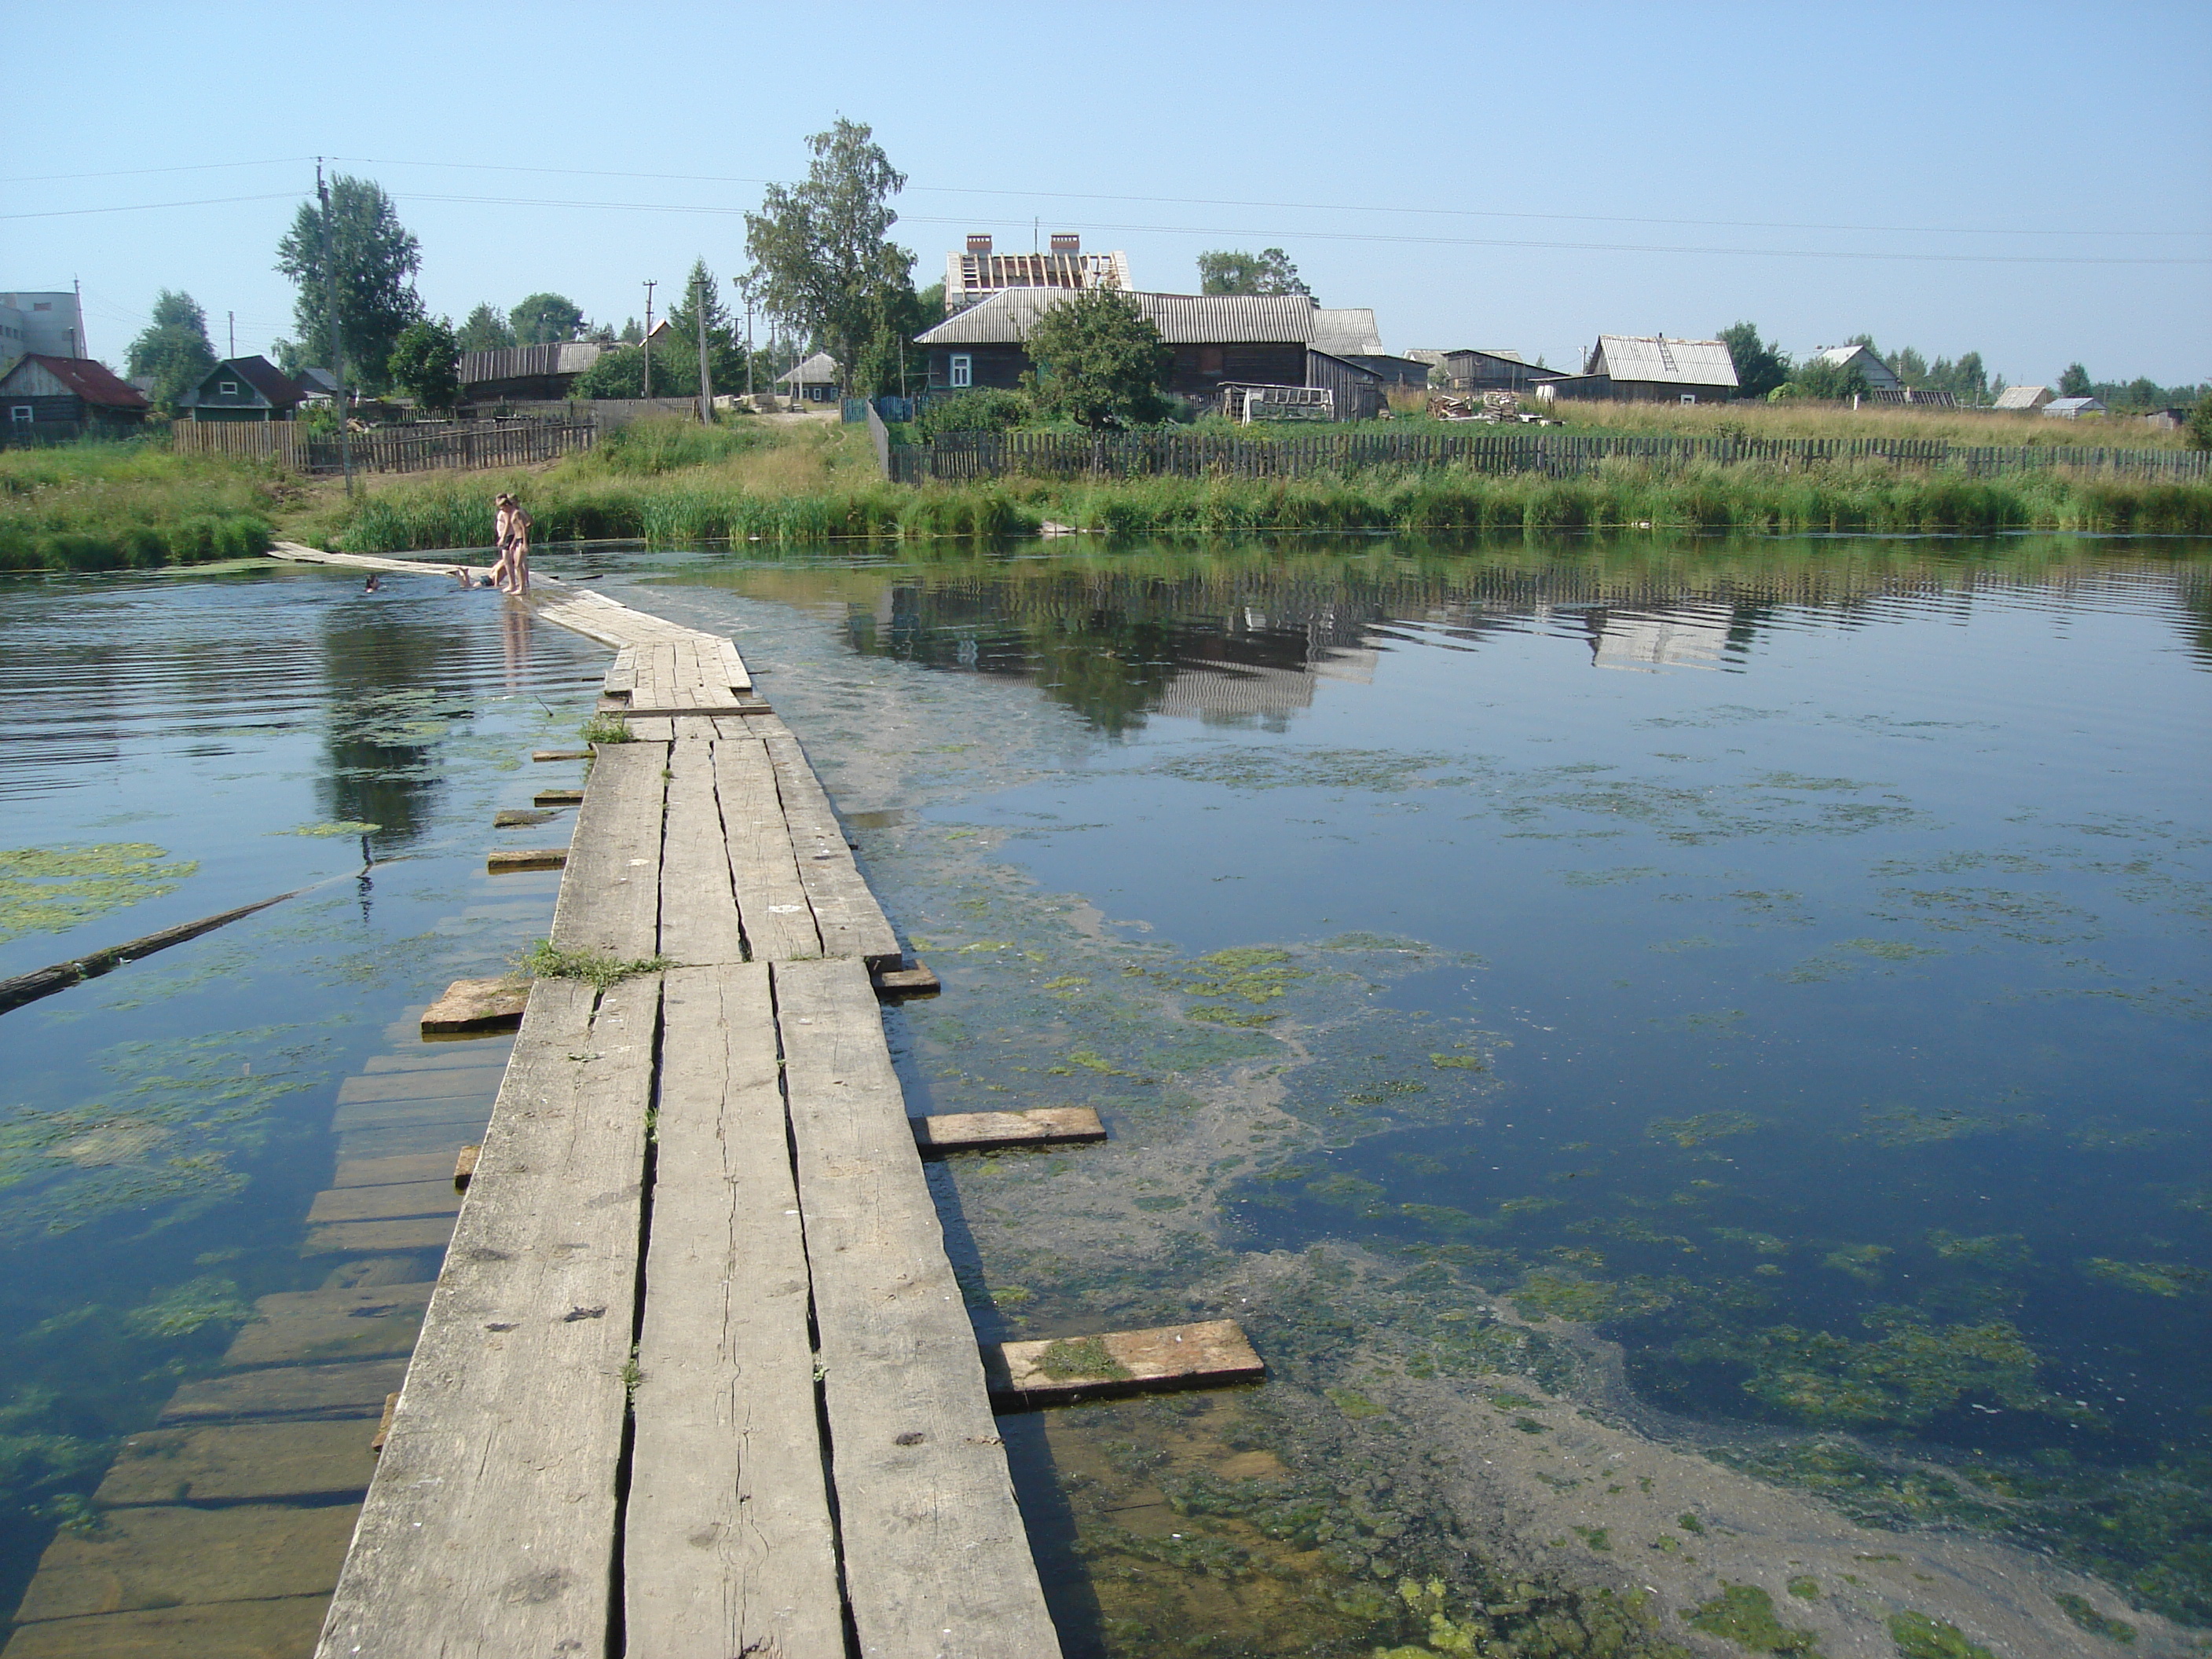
{"x":511,"y":529}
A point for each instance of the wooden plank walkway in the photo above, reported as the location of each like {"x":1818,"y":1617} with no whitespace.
{"x":712,"y":1390}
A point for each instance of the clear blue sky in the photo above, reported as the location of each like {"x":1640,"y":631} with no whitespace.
{"x":1711,"y":162}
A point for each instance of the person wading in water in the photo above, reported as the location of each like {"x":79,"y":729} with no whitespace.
{"x":511,"y":529}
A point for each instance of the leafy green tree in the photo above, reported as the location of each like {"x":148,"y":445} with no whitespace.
{"x":1268,"y":271}
{"x":1100,"y":363}
{"x":1830,"y":382}
{"x":828,"y":267}
{"x":376,"y":258}
{"x":1759,"y":367}
{"x":2074,"y":382}
{"x":546,"y":319}
{"x":174,"y":350}
{"x":425,"y":363}
{"x":1909,"y":365}
{"x":2200,"y":424}
{"x":620,"y":373}
{"x":485,"y":330}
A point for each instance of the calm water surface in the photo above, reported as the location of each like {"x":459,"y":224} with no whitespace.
{"x":1743,"y":1006}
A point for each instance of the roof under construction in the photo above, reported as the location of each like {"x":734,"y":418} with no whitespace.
{"x":1007,"y":317}
{"x":969,"y":276}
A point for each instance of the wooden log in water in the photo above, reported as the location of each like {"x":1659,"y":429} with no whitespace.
{"x":534,"y":858}
{"x":932,"y":1539}
{"x":44,"y":982}
{"x":976,"y":1132}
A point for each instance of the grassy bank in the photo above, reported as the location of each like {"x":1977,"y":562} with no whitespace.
{"x":105,"y":507}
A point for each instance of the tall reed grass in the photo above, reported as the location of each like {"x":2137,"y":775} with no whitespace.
{"x":101,"y":506}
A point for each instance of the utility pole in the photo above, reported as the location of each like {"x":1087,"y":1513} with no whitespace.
{"x":745,"y":287}
{"x":233,"y":332}
{"x":77,"y":347}
{"x":337,"y":348}
{"x":649,"y":286}
{"x":706,"y":381}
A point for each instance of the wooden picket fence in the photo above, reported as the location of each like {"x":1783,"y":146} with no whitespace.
{"x":390,"y":449}
{"x":960,"y":457}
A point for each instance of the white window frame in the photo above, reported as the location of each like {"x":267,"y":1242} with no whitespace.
{"x":227,"y":388}
{"x":961,"y":371}
{"x":23,"y":413}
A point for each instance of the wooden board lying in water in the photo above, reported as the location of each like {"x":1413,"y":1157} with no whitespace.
{"x":976,"y":1132}
{"x":240,"y":1462}
{"x":163,"y":1557}
{"x":279,"y":1627}
{"x":1207,"y":1355}
{"x":298,"y":1327}
{"x":287,"y":1392}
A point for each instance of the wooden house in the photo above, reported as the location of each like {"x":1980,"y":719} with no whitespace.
{"x":1648,"y":369}
{"x":1218,"y":340}
{"x":813,"y":381}
{"x":45,"y":398}
{"x":242,"y":389}
{"x":1878,"y":375}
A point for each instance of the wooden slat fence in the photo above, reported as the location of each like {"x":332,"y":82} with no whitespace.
{"x":956,"y":457}
{"x":389,"y":449}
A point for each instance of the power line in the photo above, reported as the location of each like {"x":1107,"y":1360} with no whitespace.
{"x":148,"y":207}
{"x":140,"y":173}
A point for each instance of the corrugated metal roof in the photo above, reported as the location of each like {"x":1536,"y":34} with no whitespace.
{"x":1007,"y":317}
{"x":1346,"y":332}
{"x":93,"y":381}
{"x":530,"y":361}
{"x":2023,"y":397}
{"x":820,"y":369}
{"x":2074,"y":406}
{"x":1662,"y":358}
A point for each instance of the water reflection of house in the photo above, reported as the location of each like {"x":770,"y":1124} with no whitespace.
{"x":1226,"y":693}
{"x":1647,"y":643}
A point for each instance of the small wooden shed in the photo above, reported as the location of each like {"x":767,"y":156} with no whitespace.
{"x":1878,"y":375}
{"x":45,"y":398}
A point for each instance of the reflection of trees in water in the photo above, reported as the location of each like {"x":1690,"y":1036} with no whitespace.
{"x":381,"y":671}
{"x":1239,"y":632}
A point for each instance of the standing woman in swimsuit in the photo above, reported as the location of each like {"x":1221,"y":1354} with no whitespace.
{"x":512,"y":573}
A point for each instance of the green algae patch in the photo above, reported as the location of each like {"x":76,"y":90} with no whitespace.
{"x":1744,"y":1614}
{"x":1691,"y":1132}
{"x":186,"y":1308}
{"x":49,"y":889}
{"x":1804,"y":1587}
{"x":601,"y":969}
{"x":1919,"y":1637}
{"x":2084,"y":1613}
{"x":1085,"y":1357}
{"x":1352,"y":1403}
{"x":337,"y":827}
{"x":2165,"y":1278}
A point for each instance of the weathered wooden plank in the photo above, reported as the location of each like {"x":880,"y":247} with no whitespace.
{"x":851,"y":922}
{"x":430,"y":1085}
{"x":297,"y":1325}
{"x":932,"y":1539}
{"x":362,"y":1237}
{"x":238,"y":1462}
{"x":651,"y":731}
{"x":732,"y":666}
{"x":778,"y":922}
{"x":491,"y":1526}
{"x":558,"y":798}
{"x":514,"y":817}
{"x":728,"y":1547}
{"x":699,"y":923}
{"x":402,"y":1137}
{"x":611,"y":896}
{"x":390,"y":1201}
{"x":900,"y":982}
{"x":274,"y":1629}
{"x":527,"y":858}
{"x":408,"y":1168}
{"x":473,"y":1106}
{"x":163,"y":1557}
{"x":1205,"y":1355}
{"x":976,"y":1132}
{"x":286,"y":1391}
{"x":560,"y":754}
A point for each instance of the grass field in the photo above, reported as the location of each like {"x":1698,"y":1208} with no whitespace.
{"x":105,"y":507}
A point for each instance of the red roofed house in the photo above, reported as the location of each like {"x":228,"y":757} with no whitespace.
{"x":40,"y":395}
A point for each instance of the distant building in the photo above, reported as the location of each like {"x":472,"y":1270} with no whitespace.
{"x":319,"y":384}
{"x":1488,"y":368}
{"x":2024,"y":399}
{"x":975,"y":274}
{"x":1649,"y":368}
{"x":813,"y":381}
{"x":2167,"y":419}
{"x":2069,"y":409}
{"x":1878,"y":374}
{"x":49,"y":325}
{"x":529,"y":374}
{"x":1219,"y":340}
{"x":54,"y":394}
{"x":242,"y":389}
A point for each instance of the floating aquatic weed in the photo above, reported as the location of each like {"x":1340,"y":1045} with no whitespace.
{"x":394,"y":718}
{"x":1688,"y":1131}
{"x":2165,"y":1279}
{"x":2084,"y":1613}
{"x":1744,"y":1614}
{"x":2022,"y":918}
{"x":339,"y":827}
{"x":49,"y":889}
{"x":1919,"y":1637}
{"x":1908,"y":1126}
{"x":184,"y":1308}
{"x":1613,"y":877}
{"x":1386,"y":771}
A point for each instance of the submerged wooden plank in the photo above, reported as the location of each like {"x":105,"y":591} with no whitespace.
{"x":396,"y":1114}
{"x":915,"y":982}
{"x":778,"y":922}
{"x":728,"y":1547}
{"x":699,"y":921}
{"x":406,"y":1167}
{"x":611,"y":896}
{"x":478,"y":1004}
{"x":851,"y":922}
{"x":933,"y":1541}
{"x":490,"y":1049}
{"x":1205,"y":1355}
{"x":240,"y":1463}
{"x":286,"y":1391}
{"x":560,"y":754}
{"x":490,"y":1525}
{"x":527,"y":858}
{"x":359,"y":1238}
{"x":386,"y":1201}
{"x":280,"y":1627}
{"x":164,"y":1557}
{"x":295,"y":1326}
{"x":380,"y":1088}
{"x":976,"y":1132}
{"x":558,"y":798}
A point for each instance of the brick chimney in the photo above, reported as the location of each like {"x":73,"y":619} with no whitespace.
{"x":1064,"y":243}
{"x":980,"y":244}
